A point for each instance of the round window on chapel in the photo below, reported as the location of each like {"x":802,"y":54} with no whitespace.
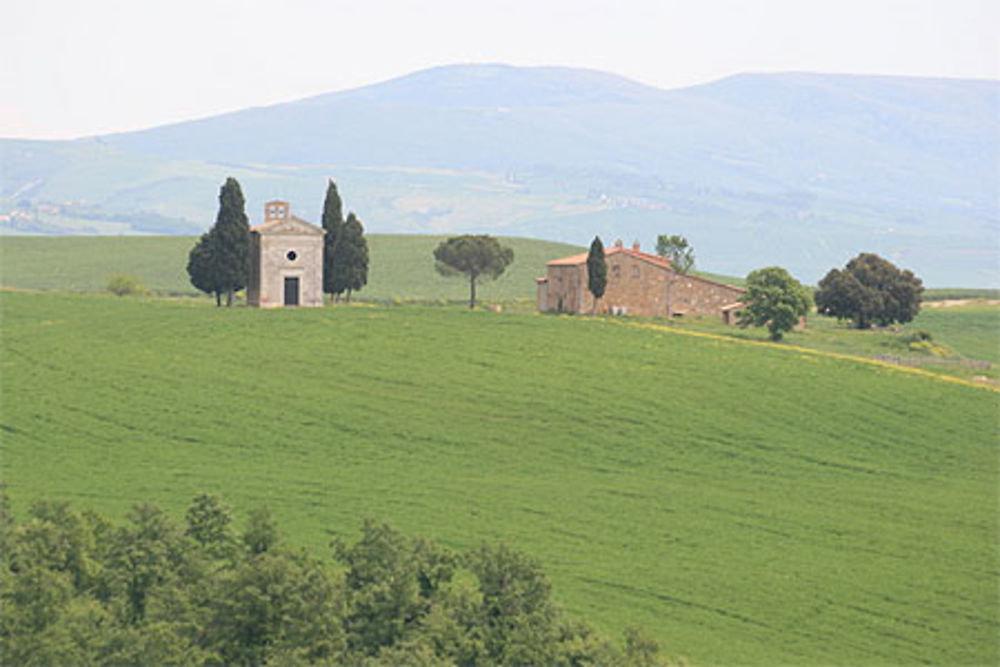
{"x":291,"y":255}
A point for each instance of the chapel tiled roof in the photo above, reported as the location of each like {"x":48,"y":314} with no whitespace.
{"x":271,"y":224}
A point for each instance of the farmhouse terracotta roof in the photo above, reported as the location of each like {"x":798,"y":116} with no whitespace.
{"x":638,"y":254}
{"x":656,"y":260}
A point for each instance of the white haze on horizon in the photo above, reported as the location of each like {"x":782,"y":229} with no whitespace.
{"x":72,"y":69}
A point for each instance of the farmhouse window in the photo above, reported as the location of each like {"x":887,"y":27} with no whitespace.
{"x":292,"y":256}
{"x":616,"y":272}
{"x":635,"y":270}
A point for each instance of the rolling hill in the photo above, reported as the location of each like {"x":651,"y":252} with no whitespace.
{"x":747,"y":504}
{"x":797,"y":169}
{"x":402,"y":266}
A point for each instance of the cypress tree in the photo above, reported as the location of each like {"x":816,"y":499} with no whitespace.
{"x":597,"y":270}
{"x":201,"y":268}
{"x":350,"y":257}
{"x":231,"y":240}
{"x":333,"y":222}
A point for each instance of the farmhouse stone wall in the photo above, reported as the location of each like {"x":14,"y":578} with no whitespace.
{"x":638,"y":284}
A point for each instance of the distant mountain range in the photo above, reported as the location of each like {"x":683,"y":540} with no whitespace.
{"x":800,"y":170}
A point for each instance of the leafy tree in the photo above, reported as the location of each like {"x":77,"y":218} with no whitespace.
{"x":33,"y":607}
{"x":641,"y":650}
{"x":515,"y":617}
{"x":597,"y":270}
{"x":276,"y":608}
{"x":350,"y":258}
{"x":261,"y":533}
{"x":775,"y":299}
{"x":676,"y":249}
{"x":231,"y":240}
{"x":333,"y":220}
{"x":384,"y":591}
{"x":145,"y":557}
{"x":60,"y":539}
{"x":209,"y":524}
{"x":201,"y":268}
{"x":74,"y":589}
{"x":870,"y":290}
{"x":474,"y":256}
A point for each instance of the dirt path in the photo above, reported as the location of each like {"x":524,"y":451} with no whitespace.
{"x":953,"y":303}
{"x":977,"y":382}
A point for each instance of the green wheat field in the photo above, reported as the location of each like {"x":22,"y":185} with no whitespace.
{"x":745,"y":503}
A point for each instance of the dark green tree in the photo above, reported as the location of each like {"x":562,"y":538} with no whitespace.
{"x":516,"y":617}
{"x":350,"y":258}
{"x":597,"y":270}
{"x":276,"y":608}
{"x":76,"y":589}
{"x":641,"y":650}
{"x":774,"y":299}
{"x":391,"y":581}
{"x":209,"y":524}
{"x":677,"y":250}
{"x":201,"y":268}
{"x":231,"y":240}
{"x":870,"y":290}
{"x":261,"y":533}
{"x":147,"y":557}
{"x":333,"y":221}
{"x":474,"y":256}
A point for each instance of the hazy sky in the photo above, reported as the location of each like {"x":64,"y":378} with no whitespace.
{"x":72,"y":68}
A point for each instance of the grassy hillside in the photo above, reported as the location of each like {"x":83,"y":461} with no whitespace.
{"x":972,"y":331}
{"x":962,"y":336}
{"x":402,"y":266}
{"x":746,"y":504}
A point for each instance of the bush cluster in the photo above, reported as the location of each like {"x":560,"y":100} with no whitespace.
{"x":121,"y":284}
{"x":77,"y":589}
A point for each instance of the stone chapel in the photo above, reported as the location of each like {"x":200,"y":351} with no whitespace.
{"x":286,"y":260}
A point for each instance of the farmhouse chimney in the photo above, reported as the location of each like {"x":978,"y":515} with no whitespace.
{"x":618,"y":243}
{"x":276,"y":210}
{"x":635,"y":246}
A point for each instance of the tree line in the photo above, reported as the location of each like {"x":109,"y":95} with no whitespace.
{"x":76,"y":588}
{"x":219,"y":263}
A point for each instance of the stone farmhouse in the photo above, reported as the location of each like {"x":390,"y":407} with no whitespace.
{"x":286,"y":260}
{"x":639,"y":283}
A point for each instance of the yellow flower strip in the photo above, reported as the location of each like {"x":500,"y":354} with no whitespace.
{"x":805,"y":350}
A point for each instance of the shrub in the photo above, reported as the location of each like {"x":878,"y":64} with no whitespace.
{"x":917,"y":337}
{"x":121,"y":284}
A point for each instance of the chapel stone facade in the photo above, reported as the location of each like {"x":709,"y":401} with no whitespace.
{"x":286,"y":260}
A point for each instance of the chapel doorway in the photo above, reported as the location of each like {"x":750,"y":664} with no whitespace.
{"x":291,"y":291}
